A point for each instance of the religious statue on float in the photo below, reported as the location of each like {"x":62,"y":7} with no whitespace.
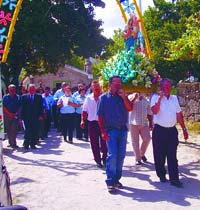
{"x":131,"y":32}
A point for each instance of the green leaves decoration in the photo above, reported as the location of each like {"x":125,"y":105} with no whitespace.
{"x":133,"y":68}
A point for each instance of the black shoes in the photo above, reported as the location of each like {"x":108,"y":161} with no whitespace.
{"x":138,"y":162}
{"x":177,"y":184}
{"x":163,"y":179}
{"x":99,"y":165}
{"x":112,"y":188}
{"x":26,"y":148}
{"x":119,"y":185}
{"x":144,"y":159}
{"x":70,"y":141}
{"x":13,"y":146}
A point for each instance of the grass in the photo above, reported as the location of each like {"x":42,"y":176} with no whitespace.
{"x":193,"y":126}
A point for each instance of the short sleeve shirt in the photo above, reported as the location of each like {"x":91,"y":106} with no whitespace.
{"x":166,"y":116}
{"x":112,"y":109}
{"x":66,"y":109}
{"x":90,"y":106}
{"x":80,"y":100}
{"x":138,"y":116}
{"x":12,"y":103}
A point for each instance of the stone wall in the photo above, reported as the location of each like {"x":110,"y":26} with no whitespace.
{"x":189,"y":99}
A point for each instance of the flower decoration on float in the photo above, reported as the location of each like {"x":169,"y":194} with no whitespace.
{"x":133,"y":68}
{"x":132,"y":64}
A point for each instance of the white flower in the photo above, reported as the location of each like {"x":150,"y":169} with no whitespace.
{"x":134,"y":82}
{"x":148,"y":84}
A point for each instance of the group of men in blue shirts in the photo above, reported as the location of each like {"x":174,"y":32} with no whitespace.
{"x":33,"y":111}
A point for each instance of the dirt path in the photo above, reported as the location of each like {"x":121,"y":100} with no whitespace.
{"x":61,"y":176}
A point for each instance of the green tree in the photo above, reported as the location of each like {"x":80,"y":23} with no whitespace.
{"x":166,"y":22}
{"x":48,"y":33}
{"x":115,"y":45}
{"x":187,"y":47}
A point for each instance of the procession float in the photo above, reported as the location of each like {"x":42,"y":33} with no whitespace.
{"x":134,"y":64}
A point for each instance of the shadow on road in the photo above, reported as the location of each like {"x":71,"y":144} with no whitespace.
{"x":164,"y":191}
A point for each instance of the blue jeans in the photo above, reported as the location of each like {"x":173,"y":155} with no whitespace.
{"x":116,"y":145}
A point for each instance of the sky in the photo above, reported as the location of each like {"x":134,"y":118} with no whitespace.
{"x":112,"y":18}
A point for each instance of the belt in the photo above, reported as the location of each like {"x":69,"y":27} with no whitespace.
{"x":164,"y":127}
{"x":123,"y":127}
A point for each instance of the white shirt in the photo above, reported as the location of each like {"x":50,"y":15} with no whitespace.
{"x":90,"y":106}
{"x":66,"y":109}
{"x":191,"y":78}
{"x":166,"y":116}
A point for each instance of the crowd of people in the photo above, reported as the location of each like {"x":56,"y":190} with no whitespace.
{"x":104,"y":119}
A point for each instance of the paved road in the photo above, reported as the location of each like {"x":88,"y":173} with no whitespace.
{"x":62,"y":176}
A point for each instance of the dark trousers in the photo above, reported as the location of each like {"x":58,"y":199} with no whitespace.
{"x":47,"y":123}
{"x":79,"y":131}
{"x":165,"y":142}
{"x":11,"y":128}
{"x":31,"y":132}
{"x":97,"y":144}
{"x":41,"y":129}
{"x":67,"y":125}
{"x":55,"y":116}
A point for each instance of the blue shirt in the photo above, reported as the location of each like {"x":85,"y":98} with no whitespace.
{"x":49,"y":99}
{"x":12,"y":103}
{"x":112,"y":109}
{"x":66,"y":109}
{"x":80,"y":100}
{"x":57,"y":95}
{"x":76,"y":94}
{"x":44,"y":103}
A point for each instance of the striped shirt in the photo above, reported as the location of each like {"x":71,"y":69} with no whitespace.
{"x":138,"y":116}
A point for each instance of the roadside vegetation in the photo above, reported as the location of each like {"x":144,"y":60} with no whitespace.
{"x":193,"y":127}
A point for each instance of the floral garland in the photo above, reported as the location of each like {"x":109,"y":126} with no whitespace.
{"x":133,"y":68}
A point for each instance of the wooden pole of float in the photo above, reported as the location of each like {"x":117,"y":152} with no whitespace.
{"x":122,"y":11}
